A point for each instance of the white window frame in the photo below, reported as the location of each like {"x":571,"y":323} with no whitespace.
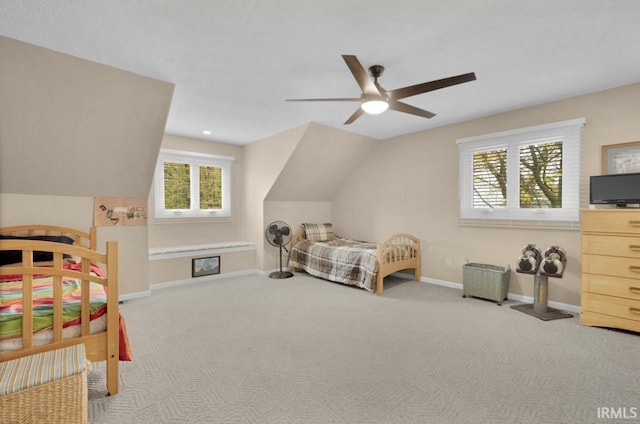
{"x":569,"y":132}
{"x":195,"y":160}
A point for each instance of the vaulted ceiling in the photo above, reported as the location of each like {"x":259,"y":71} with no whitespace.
{"x":234,"y":63}
{"x":323,"y":159}
{"x":73,"y":127}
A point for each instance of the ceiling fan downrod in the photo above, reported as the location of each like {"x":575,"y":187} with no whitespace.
{"x":376,"y":71}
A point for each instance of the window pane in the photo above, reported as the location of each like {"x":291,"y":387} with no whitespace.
{"x":541,"y":175}
{"x":210,"y":187}
{"x":490,"y":179}
{"x":176,"y":186}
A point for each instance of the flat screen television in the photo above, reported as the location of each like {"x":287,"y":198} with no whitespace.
{"x":615,"y":189}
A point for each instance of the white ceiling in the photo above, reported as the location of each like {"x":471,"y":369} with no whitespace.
{"x":234,"y":62}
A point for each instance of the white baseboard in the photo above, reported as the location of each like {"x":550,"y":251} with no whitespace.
{"x":510,"y":296}
{"x":136,"y":295}
{"x":450,"y":284}
{"x":203,"y":279}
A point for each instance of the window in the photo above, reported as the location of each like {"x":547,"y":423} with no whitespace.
{"x":527,"y":174}
{"x":192,"y":185}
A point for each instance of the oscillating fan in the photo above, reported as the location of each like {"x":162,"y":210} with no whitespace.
{"x":278,"y":234}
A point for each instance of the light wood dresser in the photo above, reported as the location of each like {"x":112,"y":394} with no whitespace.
{"x":611,"y":268}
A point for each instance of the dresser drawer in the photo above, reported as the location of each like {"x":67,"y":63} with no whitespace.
{"x":612,"y":286}
{"x":611,"y":306}
{"x":611,"y":265}
{"x":601,"y":320}
{"x":611,"y":245}
{"x":611,"y":221}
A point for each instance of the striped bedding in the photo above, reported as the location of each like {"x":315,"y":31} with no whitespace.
{"x":11,"y":309}
{"x":340,"y":260}
{"x":11,"y":301}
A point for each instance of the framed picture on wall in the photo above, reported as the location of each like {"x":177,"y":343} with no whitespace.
{"x":205,"y":266}
{"x":623,"y":158}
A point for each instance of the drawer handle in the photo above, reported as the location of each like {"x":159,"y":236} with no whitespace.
{"x":634,"y":289}
{"x":634,"y":223}
{"x":633,"y":268}
{"x":634,"y":310}
{"x":634,"y":247}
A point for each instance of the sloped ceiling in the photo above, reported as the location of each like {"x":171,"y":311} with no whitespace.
{"x":322,"y":160}
{"x":235,"y":62}
{"x":77,"y":128}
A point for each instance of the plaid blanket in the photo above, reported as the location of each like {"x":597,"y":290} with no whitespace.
{"x":341,"y":260}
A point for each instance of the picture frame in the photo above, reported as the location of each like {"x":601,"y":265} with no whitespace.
{"x":205,"y":266}
{"x":622,"y":158}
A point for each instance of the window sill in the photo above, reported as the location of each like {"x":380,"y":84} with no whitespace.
{"x":173,"y":252}
{"x":520,"y":223}
{"x":191,"y":220}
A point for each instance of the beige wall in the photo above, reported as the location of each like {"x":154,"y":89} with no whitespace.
{"x":66,"y":211}
{"x":72,"y":129}
{"x":323,"y":158}
{"x":88,"y":129}
{"x":418,"y":190}
{"x":133,"y":256}
{"x":264,"y":160}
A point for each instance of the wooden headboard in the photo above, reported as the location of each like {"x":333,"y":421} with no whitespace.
{"x":297,"y":236}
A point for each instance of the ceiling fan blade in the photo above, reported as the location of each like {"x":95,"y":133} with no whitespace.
{"x":340,"y":99}
{"x":412,"y":90}
{"x":362,"y":77}
{"x":403,"y":107}
{"x":358,"y":113}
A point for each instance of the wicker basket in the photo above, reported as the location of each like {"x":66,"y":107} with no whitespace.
{"x":48,"y":387}
{"x":62,"y":401}
{"x":486,"y":281}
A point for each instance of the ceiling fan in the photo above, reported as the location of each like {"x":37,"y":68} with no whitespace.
{"x":375,"y":99}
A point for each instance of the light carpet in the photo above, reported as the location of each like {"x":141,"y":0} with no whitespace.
{"x":303,"y":350}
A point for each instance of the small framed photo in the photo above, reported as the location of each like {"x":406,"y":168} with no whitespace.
{"x":205,"y":266}
{"x":623,"y":158}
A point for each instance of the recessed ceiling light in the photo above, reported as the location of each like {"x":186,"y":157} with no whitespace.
{"x":206,"y":132}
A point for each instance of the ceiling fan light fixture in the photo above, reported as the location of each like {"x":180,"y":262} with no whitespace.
{"x":374,"y":99}
{"x":374,"y":107}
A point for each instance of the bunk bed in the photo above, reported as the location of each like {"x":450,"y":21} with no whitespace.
{"x":57,"y":290}
{"x":316,"y":250}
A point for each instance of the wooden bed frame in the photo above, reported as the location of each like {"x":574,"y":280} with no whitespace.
{"x":391,"y":255}
{"x":100,"y":346}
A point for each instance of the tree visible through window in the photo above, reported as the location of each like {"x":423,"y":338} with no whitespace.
{"x":192,"y":185}
{"x":490,"y":179}
{"x":177,"y":185}
{"x":531,"y":173}
{"x":210,"y":187}
{"x":540,"y":177}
